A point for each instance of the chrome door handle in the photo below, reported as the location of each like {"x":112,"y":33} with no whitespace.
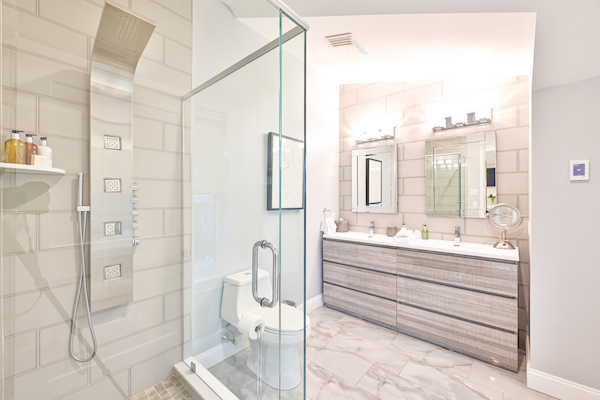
{"x":263,"y":301}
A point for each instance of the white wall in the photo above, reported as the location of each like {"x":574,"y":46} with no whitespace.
{"x":565,"y":273}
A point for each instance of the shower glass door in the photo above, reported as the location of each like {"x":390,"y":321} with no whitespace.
{"x":245,"y":142}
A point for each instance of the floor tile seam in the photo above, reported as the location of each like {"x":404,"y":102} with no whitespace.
{"x":345,"y":380}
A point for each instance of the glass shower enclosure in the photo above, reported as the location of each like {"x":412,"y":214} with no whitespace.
{"x":244,"y":141}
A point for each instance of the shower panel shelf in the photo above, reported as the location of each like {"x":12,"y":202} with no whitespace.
{"x":31,"y":169}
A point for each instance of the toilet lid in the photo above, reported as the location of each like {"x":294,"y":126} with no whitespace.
{"x":292,"y":319}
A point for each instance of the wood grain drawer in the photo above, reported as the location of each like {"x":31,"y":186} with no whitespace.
{"x":372,"y":257}
{"x":383,"y":285}
{"x":487,"y":344}
{"x":496,"y":311}
{"x":470,"y":273}
{"x":369,"y":307}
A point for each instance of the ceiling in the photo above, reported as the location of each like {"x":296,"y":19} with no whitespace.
{"x":565,"y":34}
{"x":419,"y":47}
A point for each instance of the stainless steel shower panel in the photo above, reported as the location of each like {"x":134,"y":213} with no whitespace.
{"x":121,"y":39}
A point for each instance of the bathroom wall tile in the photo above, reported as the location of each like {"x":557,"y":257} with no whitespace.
{"x":36,"y":35}
{"x":133,"y":349}
{"x":45,"y":77}
{"x":506,"y":161}
{"x":156,"y":369}
{"x":411,"y":204}
{"x":174,"y":305}
{"x":155,"y":105}
{"x":382,"y":221}
{"x":477,"y":227}
{"x":109,"y":325}
{"x":523,"y":205}
{"x":58,"y":229}
{"x":160,"y":251}
{"x":408,"y":85}
{"x":411,"y":169}
{"x":61,"y":118}
{"x":69,"y":154}
{"x":347,"y":203}
{"x":33,"y":192}
{"x":512,"y":139}
{"x":49,"y":382}
{"x":346,"y":188}
{"x":167,"y":22}
{"x":19,"y":112}
{"x":178,"y":56}
{"x":153,"y":194}
{"x":414,"y":132}
{"x":348,"y":99}
{"x":349,"y":144}
{"x":348,"y":173}
{"x":181,"y":7}
{"x":504,"y":117}
{"x":400,"y":186}
{"x":341,"y":116}
{"x":162,"y":78}
{"x":40,"y":270}
{"x":380,"y":89}
{"x":174,"y":139}
{"x":147,"y":133}
{"x":345,"y":159}
{"x":341,"y":174}
{"x":349,"y":216}
{"x":434,"y":224}
{"x":365,"y":110}
{"x":341,"y":205}
{"x":155,"y":48}
{"x":523,"y":160}
{"x":173,"y":221}
{"x":354,"y":86}
{"x":115,"y":387}
{"x":414,"y":150}
{"x":414,"y":186}
{"x":524,"y":114}
{"x":20,"y":233}
{"x":503,"y":96}
{"x":414,"y":97}
{"x":155,"y":281}
{"x":20,"y":354}
{"x":27,"y":5}
{"x":151,"y":223}
{"x":79,"y":15}
{"x":34,"y":310}
{"x":511,"y":199}
{"x":457,"y":87}
{"x":523,"y":251}
{"x":513,"y":183}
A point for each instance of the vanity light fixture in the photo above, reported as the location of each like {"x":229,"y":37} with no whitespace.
{"x":471,"y":120}
{"x":375,"y":135}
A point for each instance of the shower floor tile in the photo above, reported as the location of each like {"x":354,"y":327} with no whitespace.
{"x":169,"y":389}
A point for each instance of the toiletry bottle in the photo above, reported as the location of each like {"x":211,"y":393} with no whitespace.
{"x":14,"y":149}
{"x":30,"y":148}
{"x":425,"y":233}
{"x":45,"y":150}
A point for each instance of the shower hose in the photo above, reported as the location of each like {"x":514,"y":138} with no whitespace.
{"x":82,"y":284}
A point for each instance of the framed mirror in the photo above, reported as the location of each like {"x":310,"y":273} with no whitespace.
{"x":375,"y":180}
{"x":460,"y":175}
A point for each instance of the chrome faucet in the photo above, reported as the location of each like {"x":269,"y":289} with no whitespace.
{"x":457,"y":236}
{"x":372,"y":228}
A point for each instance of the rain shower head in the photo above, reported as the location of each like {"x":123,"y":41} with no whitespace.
{"x":122,"y":37}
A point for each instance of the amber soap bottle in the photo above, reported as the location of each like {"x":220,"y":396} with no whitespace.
{"x":14,"y":149}
{"x":30,"y":148}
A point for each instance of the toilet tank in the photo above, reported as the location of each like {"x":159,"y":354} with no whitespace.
{"x":237,"y":294}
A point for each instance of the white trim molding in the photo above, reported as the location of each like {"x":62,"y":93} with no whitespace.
{"x":314,"y":303}
{"x":559,"y":387}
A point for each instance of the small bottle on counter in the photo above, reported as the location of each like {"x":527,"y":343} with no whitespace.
{"x":30,"y":148}
{"x":14,"y":149}
{"x":45,"y":151}
{"x":425,"y":233}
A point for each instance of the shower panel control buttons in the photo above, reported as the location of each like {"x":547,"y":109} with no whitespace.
{"x":137,"y":240}
{"x":135,"y":212}
{"x":134,"y":186}
{"x":112,"y":185}
{"x":112,"y":228}
{"x":135,"y":199}
{"x":112,"y":272}
{"x":135,"y":224}
{"x":112,"y":142}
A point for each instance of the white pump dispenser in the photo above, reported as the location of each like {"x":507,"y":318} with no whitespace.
{"x":44,"y":150}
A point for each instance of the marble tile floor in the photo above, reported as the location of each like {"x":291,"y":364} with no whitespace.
{"x":169,"y":389}
{"x":348,"y":358}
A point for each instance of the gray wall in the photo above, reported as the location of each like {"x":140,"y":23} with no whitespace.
{"x":565,"y":273}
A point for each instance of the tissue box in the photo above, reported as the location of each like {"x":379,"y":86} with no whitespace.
{"x":41,"y":161}
{"x":342,"y":226}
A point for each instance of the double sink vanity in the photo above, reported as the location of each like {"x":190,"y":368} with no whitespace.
{"x":463,"y":298}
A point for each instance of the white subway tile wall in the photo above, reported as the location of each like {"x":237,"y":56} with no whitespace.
{"x":45,"y":90}
{"x":418,"y":102}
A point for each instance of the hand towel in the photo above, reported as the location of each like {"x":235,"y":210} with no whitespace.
{"x":328,"y":226}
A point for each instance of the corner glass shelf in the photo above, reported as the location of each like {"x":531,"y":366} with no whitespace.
{"x":31,"y":169}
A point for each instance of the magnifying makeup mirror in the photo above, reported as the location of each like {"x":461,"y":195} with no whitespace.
{"x":505,"y":218}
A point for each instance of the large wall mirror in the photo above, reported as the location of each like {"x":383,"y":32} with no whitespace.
{"x":461,"y":175}
{"x":375,"y":180}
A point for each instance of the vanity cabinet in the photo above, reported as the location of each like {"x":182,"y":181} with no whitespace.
{"x":463,"y":303}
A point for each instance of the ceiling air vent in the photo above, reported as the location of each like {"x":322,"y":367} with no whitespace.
{"x":347,"y":45}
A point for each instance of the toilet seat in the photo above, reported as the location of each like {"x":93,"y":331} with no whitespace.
{"x":292,"y":319}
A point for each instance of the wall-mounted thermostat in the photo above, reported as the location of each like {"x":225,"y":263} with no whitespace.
{"x":580,"y":170}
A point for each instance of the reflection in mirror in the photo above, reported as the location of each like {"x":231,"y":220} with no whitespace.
{"x":374,"y":188}
{"x":375,"y":179}
{"x":505,"y":218}
{"x":461,"y":175}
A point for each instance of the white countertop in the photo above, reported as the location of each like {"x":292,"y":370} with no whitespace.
{"x":442,"y":246}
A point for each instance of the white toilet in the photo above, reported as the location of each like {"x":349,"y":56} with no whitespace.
{"x":238,"y":300}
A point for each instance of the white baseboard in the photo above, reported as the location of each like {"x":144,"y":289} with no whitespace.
{"x":223,"y":351}
{"x":559,"y":387}
{"x":314,"y":303}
